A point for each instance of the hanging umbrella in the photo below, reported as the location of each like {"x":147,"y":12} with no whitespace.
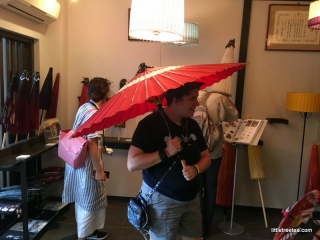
{"x":34,"y":102}
{"x":84,"y":92}
{"x":20,"y":112}
{"x":52,"y":112}
{"x":46,"y":93}
{"x":224,"y":86}
{"x":226,"y":172}
{"x":313,"y":179}
{"x":299,"y":213}
{"x":149,"y":85}
{"x":225,"y":176}
{"x":8,"y":106}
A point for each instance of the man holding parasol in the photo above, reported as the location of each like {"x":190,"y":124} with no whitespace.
{"x":164,"y":137}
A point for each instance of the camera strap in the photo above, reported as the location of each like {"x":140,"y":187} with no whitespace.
{"x":173,"y":163}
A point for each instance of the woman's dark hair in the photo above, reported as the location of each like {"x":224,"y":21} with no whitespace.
{"x":181,"y":91}
{"x":98,"y":88}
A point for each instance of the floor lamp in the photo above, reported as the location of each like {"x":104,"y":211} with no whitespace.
{"x":306,"y":104}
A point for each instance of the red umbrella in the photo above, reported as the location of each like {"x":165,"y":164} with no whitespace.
{"x":225,"y":176}
{"x":299,"y":213}
{"x":149,"y":85}
{"x":20,"y":112}
{"x":313,"y":178}
{"x":34,"y":102}
{"x":84,"y":92}
{"x":52,"y":112}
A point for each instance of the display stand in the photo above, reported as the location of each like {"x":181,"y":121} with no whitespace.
{"x":31,"y":150}
{"x":231,"y":227}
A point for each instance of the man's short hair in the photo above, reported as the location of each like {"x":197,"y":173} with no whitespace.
{"x":181,"y":91}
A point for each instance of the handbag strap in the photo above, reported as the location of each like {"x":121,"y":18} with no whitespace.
{"x":174,"y":162}
{"x":93,"y":104}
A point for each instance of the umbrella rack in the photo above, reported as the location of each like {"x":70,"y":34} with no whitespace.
{"x":231,"y":227}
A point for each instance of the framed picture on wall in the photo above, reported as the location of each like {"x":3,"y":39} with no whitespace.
{"x":288,"y":29}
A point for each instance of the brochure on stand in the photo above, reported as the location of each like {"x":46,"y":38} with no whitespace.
{"x":246,"y":131}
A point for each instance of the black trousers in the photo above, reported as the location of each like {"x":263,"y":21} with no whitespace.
{"x":208,"y":193}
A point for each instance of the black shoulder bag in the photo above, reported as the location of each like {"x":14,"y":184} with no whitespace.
{"x":137,"y":208}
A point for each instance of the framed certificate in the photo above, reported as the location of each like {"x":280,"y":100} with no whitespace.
{"x":288,"y":29}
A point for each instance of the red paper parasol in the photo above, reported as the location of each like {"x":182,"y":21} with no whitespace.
{"x":52,"y":112}
{"x":148,"y":86}
{"x":84,"y":92}
{"x":313,"y":179}
{"x":20,"y":111}
{"x":299,"y":213}
{"x":34,"y":102}
{"x":225,"y":176}
{"x":46,"y":93}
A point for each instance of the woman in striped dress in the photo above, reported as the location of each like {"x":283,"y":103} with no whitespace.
{"x":88,"y":192}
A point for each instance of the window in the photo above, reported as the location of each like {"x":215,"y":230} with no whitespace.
{"x":16,"y":53}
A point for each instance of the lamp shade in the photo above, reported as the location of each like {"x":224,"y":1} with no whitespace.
{"x":303,"y":102}
{"x":157,"y":20}
{"x":190,"y":36}
{"x":314,"y":15}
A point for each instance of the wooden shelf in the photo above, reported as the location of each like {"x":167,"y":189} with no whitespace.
{"x":113,"y":142}
{"x":8,"y":162}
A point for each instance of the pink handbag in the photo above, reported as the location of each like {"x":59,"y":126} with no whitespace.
{"x":72,"y":150}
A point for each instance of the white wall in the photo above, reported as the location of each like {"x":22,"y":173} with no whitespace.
{"x":98,"y":43}
{"x":90,"y":39}
{"x":98,"y":46}
{"x":269,"y":76}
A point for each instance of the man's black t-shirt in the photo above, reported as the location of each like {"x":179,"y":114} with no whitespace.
{"x":151,"y":135}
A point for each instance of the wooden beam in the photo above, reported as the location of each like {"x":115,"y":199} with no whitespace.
{"x":246,"y":13}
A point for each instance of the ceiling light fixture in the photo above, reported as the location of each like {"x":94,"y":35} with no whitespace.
{"x":157,"y":20}
{"x":190,"y":36}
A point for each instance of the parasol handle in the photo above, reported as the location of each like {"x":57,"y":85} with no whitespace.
{"x":262,"y":203}
{"x":183,"y":162}
{"x":4,"y":139}
{"x":119,"y":130}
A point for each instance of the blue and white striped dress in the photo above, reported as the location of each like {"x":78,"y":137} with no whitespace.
{"x":79,"y":185}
